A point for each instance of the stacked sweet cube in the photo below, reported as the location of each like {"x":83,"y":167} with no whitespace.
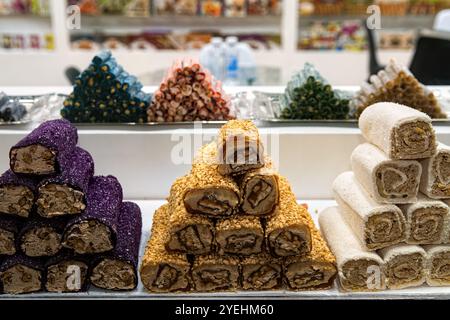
{"x":61,"y":227}
{"x":392,"y":221}
{"x":233,"y":223}
{"x":106,"y":93}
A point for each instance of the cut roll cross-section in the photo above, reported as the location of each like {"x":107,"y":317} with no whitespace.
{"x":239,"y":148}
{"x":261,"y":272}
{"x":16,"y":194}
{"x":9,"y":229}
{"x":189,"y":233}
{"x":438,"y":265}
{"x":215,"y":273}
{"x":208,"y":192}
{"x":399,"y":131}
{"x":388,"y":181}
{"x":435,"y":181}
{"x":20,"y":274}
{"x":359,"y":269}
{"x":163,"y":271}
{"x":376,"y":225}
{"x":67,"y":273}
{"x":287,"y":230}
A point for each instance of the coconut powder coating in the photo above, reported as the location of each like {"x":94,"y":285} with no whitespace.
{"x":65,"y":194}
{"x":118,"y":270}
{"x":20,"y":274}
{"x":95,"y":230}
{"x":45,"y":149}
{"x":16,"y":194}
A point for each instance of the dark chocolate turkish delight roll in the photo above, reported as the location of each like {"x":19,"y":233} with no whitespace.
{"x":65,"y":194}
{"x":42,"y":237}
{"x":118,"y":270}
{"x":9,"y":229}
{"x":16,"y":194}
{"x":21,"y":274}
{"x":67,"y":272}
{"x":94,"y":231}
{"x":44,"y":150}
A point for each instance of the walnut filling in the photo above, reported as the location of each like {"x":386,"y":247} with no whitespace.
{"x":440,"y":267}
{"x":242,"y":241}
{"x":427,"y":225}
{"x":212,"y":201}
{"x":260,"y":195}
{"x":114,"y":275}
{"x":195,"y":239}
{"x":304,"y":275}
{"x":16,"y":200}
{"x":33,"y":159}
{"x":383,"y":229}
{"x":404,"y":270}
{"x":66,"y":276}
{"x":441,"y":167}
{"x":290,"y":241}
{"x":413,"y":140}
{"x":41,"y":241}
{"x":21,"y":279}
{"x":239,"y":157}
{"x":214,"y":277}
{"x":88,"y":237}
{"x":57,"y":200}
{"x":7,"y":243}
{"x":396,"y":181}
{"x":356,"y":275}
{"x":261,"y":277}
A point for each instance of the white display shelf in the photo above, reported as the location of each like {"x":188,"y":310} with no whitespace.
{"x":149,"y":207}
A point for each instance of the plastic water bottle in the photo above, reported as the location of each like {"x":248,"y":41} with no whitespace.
{"x":232,"y":70}
{"x":247,"y":64}
{"x":213,"y":56}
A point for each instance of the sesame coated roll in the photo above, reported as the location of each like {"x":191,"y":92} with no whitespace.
{"x":9,"y":230}
{"x":65,"y":194}
{"x":45,"y":149}
{"x":239,"y":235}
{"x":316,"y":270}
{"x":21,"y":274}
{"x":261,"y":272}
{"x":189,"y":233}
{"x":94,"y":231}
{"x":287,"y":229}
{"x":208,"y":191}
{"x":239,"y":147}
{"x":118,"y":269}
{"x":16,"y":194}
{"x":215,"y":273}
{"x":160,"y":270}
{"x":259,"y":189}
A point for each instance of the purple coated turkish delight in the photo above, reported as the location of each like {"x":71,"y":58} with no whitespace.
{"x":16,"y":194}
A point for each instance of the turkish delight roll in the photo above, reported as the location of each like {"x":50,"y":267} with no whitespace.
{"x":388,"y":181}
{"x":405,"y":266}
{"x":163,"y":271}
{"x":67,"y":272}
{"x":259,"y":190}
{"x":65,"y":194}
{"x":16,"y":194}
{"x":438,"y":265}
{"x":316,"y":270}
{"x":239,"y":148}
{"x":44,"y":150}
{"x":94,"y":231}
{"x":208,"y":191}
{"x":21,"y":274}
{"x":426,"y":221}
{"x":189,"y":233}
{"x":358,"y":268}
{"x":376,"y":225}
{"x":399,"y":131}
{"x":9,"y":230}
{"x":215,"y":273}
{"x":435,"y":181}
{"x":287,"y":229}
{"x":239,"y":235}
{"x":118,"y":270}
{"x":261,"y":272}
{"x":42,"y":237}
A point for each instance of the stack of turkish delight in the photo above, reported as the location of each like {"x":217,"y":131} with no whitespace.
{"x":233,"y":223}
{"x":61,"y":227}
{"x":106,"y":93}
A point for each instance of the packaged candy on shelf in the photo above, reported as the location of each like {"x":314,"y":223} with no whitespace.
{"x":235,"y":8}
{"x":211,"y":8}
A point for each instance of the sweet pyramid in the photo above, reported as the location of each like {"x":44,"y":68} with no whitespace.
{"x":233,"y":223}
